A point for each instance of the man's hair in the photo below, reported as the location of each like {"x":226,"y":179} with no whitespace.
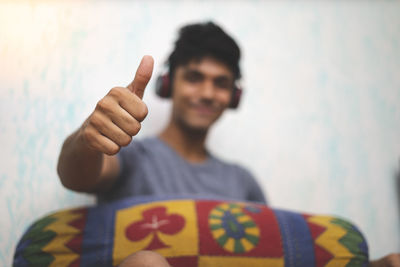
{"x":200,"y":40}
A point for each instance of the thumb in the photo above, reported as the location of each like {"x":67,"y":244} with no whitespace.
{"x":142,"y":76}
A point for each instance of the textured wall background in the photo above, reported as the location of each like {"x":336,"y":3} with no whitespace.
{"x":319,"y":124}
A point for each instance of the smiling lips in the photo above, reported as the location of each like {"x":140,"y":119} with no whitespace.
{"x":204,"y":109}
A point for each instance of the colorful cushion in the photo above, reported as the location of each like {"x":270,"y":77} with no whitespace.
{"x":191,"y":232}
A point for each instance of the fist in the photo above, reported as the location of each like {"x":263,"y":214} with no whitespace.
{"x":118,"y":116}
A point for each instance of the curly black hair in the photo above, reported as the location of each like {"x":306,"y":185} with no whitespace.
{"x":196,"y":41}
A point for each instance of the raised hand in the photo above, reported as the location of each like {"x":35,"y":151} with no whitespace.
{"x":118,"y":116}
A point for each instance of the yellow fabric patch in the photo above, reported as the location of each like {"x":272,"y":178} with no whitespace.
{"x":176,"y":244}
{"x":215,"y":261}
{"x":329,"y":240}
{"x":63,"y":256}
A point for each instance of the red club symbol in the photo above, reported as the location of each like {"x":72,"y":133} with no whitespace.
{"x":154,"y":220}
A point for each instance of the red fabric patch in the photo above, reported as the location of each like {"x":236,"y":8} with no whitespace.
{"x":322,"y":256}
{"x":183,"y":261}
{"x":75,"y":244}
{"x":81,"y":221}
{"x":154,"y":220}
{"x":269,"y":243}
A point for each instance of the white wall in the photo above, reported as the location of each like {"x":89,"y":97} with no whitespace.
{"x":319,"y":125}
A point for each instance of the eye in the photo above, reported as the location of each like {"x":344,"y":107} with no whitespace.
{"x":192,"y":76}
{"x":223,"y":83}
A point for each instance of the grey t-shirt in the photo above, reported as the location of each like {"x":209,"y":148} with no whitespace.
{"x":151,"y":167}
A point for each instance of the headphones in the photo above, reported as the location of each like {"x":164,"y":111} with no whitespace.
{"x":164,"y":90}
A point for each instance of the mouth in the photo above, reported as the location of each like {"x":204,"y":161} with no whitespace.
{"x":205,"y":110}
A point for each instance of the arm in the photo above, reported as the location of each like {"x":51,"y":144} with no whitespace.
{"x":84,"y":169}
{"x":87,"y":162}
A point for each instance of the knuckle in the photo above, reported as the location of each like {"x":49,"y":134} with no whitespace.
{"x":88,"y":135}
{"x":103,"y":104}
{"x":96,"y":120}
{"x":112,"y":150}
{"x":116,"y":91}
{"x":126,"y":140}
{"x":142,"y":112}
{"x":134,"y":128}
{"x":144,"y":75}
{"x":90,"y":139}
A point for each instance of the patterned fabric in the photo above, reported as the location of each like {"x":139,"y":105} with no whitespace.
{"x":191,"y":232}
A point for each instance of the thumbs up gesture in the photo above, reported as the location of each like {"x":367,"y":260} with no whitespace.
{"x":118,"y":115}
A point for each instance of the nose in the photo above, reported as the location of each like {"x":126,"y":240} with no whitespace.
{"x":207,"y":90}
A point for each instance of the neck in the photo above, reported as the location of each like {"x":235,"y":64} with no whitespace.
{"x":189,"y":144}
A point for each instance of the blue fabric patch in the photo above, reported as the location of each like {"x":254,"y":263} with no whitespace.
{"x":296,"y":238}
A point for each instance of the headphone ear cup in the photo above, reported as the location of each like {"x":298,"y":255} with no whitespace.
{"x":163,"y":88}
{"x":236,"y":95}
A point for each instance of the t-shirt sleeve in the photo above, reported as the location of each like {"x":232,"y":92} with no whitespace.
{"x":254,"y":191}
{"x":129,"y":158}
{"x":122,"y":157}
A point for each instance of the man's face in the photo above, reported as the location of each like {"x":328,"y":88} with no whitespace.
{"x":201,"y":92}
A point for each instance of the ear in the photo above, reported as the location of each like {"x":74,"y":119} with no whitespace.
{"x":236,"y":96}
{"x":163,"y":86}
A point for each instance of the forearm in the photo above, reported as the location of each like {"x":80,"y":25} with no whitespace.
{"x":79,"y":167}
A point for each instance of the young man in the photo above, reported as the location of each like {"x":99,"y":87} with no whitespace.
{"x":203,"y":69}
